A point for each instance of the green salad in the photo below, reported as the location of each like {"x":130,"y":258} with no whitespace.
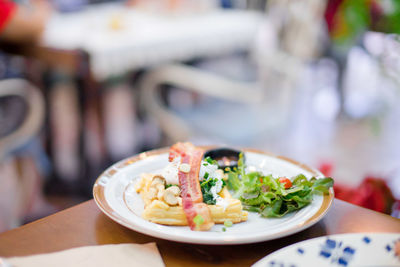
{"x":273,"y":197}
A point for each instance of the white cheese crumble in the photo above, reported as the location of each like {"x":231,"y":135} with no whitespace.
{"x":170,"y":173}
{"x":222,"y":203}
{"x":184,"y":167}
{"x":212,"y":171}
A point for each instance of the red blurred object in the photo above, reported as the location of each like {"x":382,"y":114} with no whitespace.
{"x":7,"y":10}
{"x":326,"y":168}
{"x":286,"y":182}
{"x":330,"y":12}
{"x":373,"y":193}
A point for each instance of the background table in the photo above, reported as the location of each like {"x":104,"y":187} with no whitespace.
{"x":119,"y":39}
{"x":85,"y":224}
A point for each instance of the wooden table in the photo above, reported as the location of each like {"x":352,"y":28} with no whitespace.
{"x":85,"y":224}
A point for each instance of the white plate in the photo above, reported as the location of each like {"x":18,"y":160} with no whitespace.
{"x":361,"y":249}
{"x":114,"y":194}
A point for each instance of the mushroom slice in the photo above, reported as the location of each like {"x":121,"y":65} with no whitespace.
{"x":158,"y":179}
{"x":170,"y":198}
{"x":174,"y":189}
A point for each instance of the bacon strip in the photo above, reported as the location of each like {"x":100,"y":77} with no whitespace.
{"x":192,"y":198}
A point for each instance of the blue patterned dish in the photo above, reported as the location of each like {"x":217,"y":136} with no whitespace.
{"x":360,"y":249}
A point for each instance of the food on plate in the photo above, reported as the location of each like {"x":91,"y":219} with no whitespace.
{"x":168,"y":210}
{"x":193,"y":189}
{"x":189,"y":191}
{"x":197,"y":213}
{"x":273,"y":197}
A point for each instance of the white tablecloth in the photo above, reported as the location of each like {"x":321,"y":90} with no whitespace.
{"x":119,"y":38}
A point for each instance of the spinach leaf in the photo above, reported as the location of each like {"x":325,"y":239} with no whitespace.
{"x":206,"y":186}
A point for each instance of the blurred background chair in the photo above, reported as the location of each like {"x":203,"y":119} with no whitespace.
{"x":22,"y":113}
{"x":225,"y":110}
{"x":194,"y":80}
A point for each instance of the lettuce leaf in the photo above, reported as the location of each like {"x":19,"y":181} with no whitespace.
{"x":266,"y":195}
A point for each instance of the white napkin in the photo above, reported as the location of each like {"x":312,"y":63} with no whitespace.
{"x":120,"y":255}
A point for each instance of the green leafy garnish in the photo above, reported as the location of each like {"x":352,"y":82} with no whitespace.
{"x":228,"y":223}
{"x":211,"y":161}
{"x":198,"y":220}
{"x":206,"y":186}
{"x":269,"y":197}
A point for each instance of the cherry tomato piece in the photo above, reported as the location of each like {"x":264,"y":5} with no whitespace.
{"x":287,"y":183}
